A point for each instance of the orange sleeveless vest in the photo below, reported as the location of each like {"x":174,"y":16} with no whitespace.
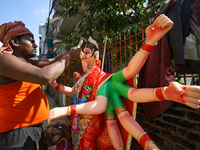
{"x":22,"y":104}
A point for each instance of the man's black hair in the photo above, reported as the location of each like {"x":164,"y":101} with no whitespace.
{"x":19,"y":38}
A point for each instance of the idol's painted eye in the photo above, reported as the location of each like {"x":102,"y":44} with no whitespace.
{"x":61,"y":128}
{"x":87,"y":51}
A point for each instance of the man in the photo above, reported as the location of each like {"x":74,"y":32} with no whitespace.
{"x":23,"y":105}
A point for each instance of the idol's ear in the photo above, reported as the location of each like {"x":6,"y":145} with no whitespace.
{"x":96,"y":54}
{"x":14,"y":42}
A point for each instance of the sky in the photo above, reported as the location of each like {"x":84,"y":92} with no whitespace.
{"x":30,"y":12}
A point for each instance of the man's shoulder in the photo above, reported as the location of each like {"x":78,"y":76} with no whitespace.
{"x":8,"y":57}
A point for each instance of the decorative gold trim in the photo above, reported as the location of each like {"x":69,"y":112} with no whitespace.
{"x":86,"y":116}
{"x":119,"y":148}
{"x":69,"y":111}
{"x":110,"y":117}
{"x":154,"y":95}
{"x":59,"y":87}
{"x":140,"y":135}
{"x":149,"y":43}
{"x":103,"y":82}
{"x":144,"y":52}
{"x":76,"y":108}
{"x":147,"y":144}
{"x":163,"y":92}
{"x":120,"y":109}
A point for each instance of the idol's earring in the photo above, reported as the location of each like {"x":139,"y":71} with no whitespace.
{"x":97,"y":62}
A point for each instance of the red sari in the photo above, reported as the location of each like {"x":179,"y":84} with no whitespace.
{"x":93,"y":132}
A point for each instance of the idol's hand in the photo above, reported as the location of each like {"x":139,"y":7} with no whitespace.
{"x":185,"y":94}
{"x":158,"y":28}
{"x":76,"y":75}
{"x":56,"y":113}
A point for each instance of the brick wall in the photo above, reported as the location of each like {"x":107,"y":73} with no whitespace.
{"x":178,"y":128}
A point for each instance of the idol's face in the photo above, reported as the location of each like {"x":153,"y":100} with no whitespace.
{"x":88,"y":55}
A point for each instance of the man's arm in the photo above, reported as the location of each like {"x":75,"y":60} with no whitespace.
{"x":42,"y":63}
{"x":14,"y":68}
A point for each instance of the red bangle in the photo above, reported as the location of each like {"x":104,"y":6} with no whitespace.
{"x":73,"y":109}
{"x":57,"y":87}
{"x":147,"y":48}
{"x":68,"y":57}
{"x":143,"y":138}
{"x":158,"y":95}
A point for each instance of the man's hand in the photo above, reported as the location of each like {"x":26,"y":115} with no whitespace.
{"x":74,"y":52}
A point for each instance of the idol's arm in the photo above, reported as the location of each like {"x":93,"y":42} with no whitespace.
{"x":97,"y":106}
{"x":69,"y":91}
{"x":111,"y":122}
{"x":185,"y":94}
{"x":115,"y":134}
{"x":154,"y":33}
{"x":136,"y":130}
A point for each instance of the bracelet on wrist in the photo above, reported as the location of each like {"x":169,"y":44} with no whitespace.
{"x":144,"y":52}
{"x":57,"y":87}
{"x":67,"y":55}
{"x":164,"y":94}
{"x":159,"y":94}
{"x":69,"y":111}
{"x":146,"y":48}
{"x":147,"y":144}
{"x":149,"y":43}
{"x":73,"y":110}
{"x":143,"y":139}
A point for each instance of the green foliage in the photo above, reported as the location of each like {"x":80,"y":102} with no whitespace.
{"x":109,"y":17}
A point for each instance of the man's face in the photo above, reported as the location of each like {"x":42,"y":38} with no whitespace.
{"x":28,"y":46}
